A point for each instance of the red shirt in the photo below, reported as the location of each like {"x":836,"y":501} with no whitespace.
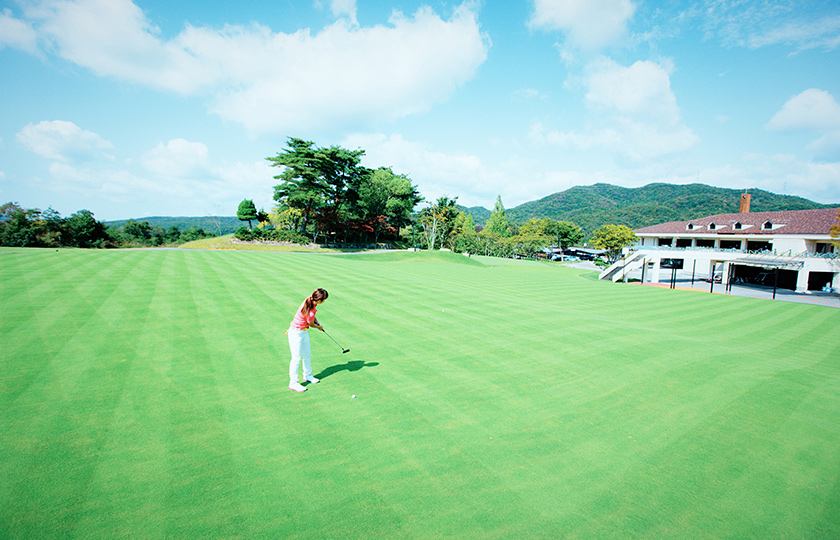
{"x":303,"y":323}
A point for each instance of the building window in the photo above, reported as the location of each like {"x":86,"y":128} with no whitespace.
{"x":737,"y":226}
{"x":689,"y":227}
{"x":759,"y":246}
{"x":768,"y":226}
{"x":712,"y":226}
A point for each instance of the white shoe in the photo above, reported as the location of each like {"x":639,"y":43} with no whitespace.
{"x":297,"y":387}
{"x":312,"y":379}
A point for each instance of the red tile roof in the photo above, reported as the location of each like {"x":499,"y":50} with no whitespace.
{"x":789,"y":222}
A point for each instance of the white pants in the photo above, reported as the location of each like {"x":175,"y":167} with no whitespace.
{"x":299,"y":345}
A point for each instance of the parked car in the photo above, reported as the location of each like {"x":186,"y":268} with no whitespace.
{"x":718,"y":276}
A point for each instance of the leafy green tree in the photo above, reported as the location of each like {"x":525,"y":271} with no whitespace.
{"x":438,"y":221}
{"x":17,"y":226}
{"x":463,"y":237}
{"x":173,"y":234}
{"x":84,"y":231}
{"x":247,"y":211}
{"x":53,"y":225}
{"x":566,"y":233}
{"x":193,"y":233}
{"x":301,"y":183}
{"x":537,"y":226}
{"x":316,"y":178}
{"x":613,"y":238}
{"x":287,"y":219}
{"x":529,"y":244}
{"x":263,"y":218}
{"x":386,"y":201}
{"x":498,"y":222}
{"x":560,"y":233}
{"x":488,"y":242}
{"x":138,"y":232}
{"x":342,"y":174}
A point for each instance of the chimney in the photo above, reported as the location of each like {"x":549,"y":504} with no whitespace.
{"x":745,"y":203}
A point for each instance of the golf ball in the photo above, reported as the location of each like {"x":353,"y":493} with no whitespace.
{"x":353,"y":396}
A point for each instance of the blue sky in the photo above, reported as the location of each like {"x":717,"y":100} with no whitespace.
{"x":170,"y":108}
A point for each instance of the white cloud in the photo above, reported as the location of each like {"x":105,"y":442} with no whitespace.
{"x":437,"y":173}
{"x":626,"y":137}
{"x":178,"y":159}
{"x":634,"y":113}
{"x":117,"y":186}
{"x":344,"y":8}
{"x":821,"y":33}
{"x":62,"y":141}
{"x":276,"y":82}
{"x":768,"y":23}
{"x":828,"y":145}
{"x":528,"y":94}
{"x":17,"y":34}
{"x":219,"y":190}
{"x":589,"y":24}
{"x":780,"y":173}
{"x":642,"y":89}
{"x":812,"y":110}
{"x":248,"y":181}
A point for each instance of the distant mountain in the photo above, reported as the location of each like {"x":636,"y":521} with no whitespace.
{"x":479,"y":213}
{"x":588,"y":206}
{"x":601,"y":204}
{"x":218,"y":225}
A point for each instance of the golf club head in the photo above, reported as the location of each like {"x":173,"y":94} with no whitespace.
{"x":345,"y":351}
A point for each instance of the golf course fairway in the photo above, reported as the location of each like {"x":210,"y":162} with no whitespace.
{"x":144,"y":394}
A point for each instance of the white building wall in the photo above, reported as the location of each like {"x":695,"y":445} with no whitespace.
{"x":794,"y":245}
{"x":702,"y":261}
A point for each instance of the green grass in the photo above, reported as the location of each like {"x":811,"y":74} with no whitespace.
{"x":144,"y":394}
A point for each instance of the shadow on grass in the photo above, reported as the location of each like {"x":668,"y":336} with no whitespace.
{"x":354,"y":365}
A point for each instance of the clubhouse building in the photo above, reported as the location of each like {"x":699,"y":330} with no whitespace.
{"x":791,"y":250}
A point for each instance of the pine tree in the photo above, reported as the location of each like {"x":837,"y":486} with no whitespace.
{"x":498,"y":222}
{"x":247,"y":211}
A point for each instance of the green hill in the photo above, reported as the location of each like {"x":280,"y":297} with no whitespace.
{"x":601,"y":204}
{"x":218,"y":225}
{"x":588,"y":206}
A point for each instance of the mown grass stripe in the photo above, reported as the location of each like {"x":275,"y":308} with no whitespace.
{"x":485,"y":392}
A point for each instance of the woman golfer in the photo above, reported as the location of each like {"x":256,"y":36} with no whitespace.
{"x":299,"y":339}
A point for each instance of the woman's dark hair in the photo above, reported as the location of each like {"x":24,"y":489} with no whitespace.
{"x":318,"y":296}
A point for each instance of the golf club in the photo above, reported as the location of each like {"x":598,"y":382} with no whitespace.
{"x":343,"y":350}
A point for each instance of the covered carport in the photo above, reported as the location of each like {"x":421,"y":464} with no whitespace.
{"x":761,"y":271}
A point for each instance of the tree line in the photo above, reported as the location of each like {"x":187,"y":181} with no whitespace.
{"x":324,"y":193}
{"x":444,"y":225}
{"x":31,"y":227}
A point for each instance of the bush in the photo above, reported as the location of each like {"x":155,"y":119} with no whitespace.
{"x":275,"y":235}
{"x":282,"y":235}
{"x":243,"y":233}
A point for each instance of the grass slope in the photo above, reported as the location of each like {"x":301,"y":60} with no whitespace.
{"x":143,"y":394}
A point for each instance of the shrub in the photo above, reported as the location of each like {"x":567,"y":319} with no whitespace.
{"x":282,"y":235}
{"x":243,"y":233}
{"x":276,"y":235}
